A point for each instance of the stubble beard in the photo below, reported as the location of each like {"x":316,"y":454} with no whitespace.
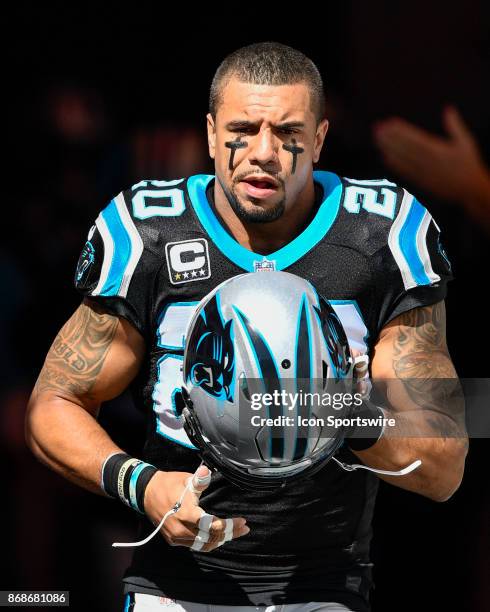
{"x":257,"y":214}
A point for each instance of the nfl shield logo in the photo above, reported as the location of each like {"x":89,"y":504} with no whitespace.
{"x":266,"y":265}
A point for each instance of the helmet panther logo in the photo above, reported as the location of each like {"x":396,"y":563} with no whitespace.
{"x":212,"y":357}
{"x":87,"y":258}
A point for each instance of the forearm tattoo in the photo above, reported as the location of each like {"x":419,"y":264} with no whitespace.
{"x":77,"y":354}
{"x":234,"y":145}
{"x":295,"y":150}
{"x":422,"y":363}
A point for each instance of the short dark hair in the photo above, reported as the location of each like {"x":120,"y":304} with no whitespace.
{"x":268,"y":63}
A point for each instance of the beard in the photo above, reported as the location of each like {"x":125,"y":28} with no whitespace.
{"x":257,"y":214}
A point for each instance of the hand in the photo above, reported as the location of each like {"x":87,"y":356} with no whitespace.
{"x":450,"y":168}
{"x":360,"y":373}
{"x":190,"y":526}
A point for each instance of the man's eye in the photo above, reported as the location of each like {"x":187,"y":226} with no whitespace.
{"x":241,"y":131}
{"x":287,"y":131}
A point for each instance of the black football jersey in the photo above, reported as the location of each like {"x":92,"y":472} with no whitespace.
{"x":154,"y":252}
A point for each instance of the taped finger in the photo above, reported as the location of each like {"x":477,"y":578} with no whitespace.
{"x":203,"y":536}
{"x":228,"y":531}
{"x":205,"y":521}
{"x":197,"y":545}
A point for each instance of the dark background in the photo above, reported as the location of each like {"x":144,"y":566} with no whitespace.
{"x":99,"y":98}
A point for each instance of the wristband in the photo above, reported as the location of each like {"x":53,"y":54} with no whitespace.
{"x":126,"y":478}
{"x":362,"y":437}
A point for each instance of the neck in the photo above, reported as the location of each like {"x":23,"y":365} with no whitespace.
{"x":266,"y":238}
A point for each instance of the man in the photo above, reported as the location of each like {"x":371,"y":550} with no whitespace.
{"x":154,"y":252}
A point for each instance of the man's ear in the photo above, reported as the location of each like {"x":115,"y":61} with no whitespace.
{"x":321,"y":132}
{"x":211,"y":135}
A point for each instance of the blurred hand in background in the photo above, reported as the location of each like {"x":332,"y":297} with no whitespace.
{"x":450,"y":168}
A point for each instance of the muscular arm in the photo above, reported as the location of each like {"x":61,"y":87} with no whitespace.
{"x":93,"y":358}
{"x":424,"y":396}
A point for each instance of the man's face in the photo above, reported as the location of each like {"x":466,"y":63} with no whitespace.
{"x":264,"y":141}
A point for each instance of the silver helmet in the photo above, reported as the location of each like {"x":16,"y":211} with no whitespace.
{"x":264,"y":356}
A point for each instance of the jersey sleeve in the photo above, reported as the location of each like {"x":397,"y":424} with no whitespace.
{"x":115,"y":267}
{"x":415,"y":267}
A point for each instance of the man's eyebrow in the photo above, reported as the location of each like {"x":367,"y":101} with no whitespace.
{"x":240,"y":123}
{"x":290,"y":125}
{"x":244,"y":123}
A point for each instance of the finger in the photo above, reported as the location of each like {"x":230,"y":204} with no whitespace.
{"x":202,"y":524}
{"x":406,"y":140}
{"x":408,"y":169}
{"x":200,"y":480}
{"x":455,"y":125}
{"x":198,"y":544}
{"x":176,"y":529}
{"x":205,"y":521}
{"x":205,"y":537}
{"x":219,"y":527}
{"x":361,"y":364}
{"x":212,"y":545}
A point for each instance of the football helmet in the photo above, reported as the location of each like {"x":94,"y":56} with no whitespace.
{"x":264,"y":356}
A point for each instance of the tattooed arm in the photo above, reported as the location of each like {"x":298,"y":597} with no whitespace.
{"x":93,"y":359}
{"x":424,"y":395}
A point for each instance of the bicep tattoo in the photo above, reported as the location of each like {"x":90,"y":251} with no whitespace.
{"x":77,"y":354}
{"x":422,"y":363}
{"x":420,"y":344}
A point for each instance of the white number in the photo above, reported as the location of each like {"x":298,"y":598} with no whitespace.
{"x":171,"y":335}
{"x":143,"y":211}
{"x":354,"y":194}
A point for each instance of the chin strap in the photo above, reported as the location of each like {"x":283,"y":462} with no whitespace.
{"x":358,"y":466}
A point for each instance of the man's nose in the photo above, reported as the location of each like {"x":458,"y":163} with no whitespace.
{"x":264,"y":149}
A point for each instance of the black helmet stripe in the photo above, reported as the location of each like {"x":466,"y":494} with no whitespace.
{"x":270,"y":376}
{"x":303,"y":374}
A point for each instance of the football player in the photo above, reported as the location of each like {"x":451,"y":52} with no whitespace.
{"x":156,"y":249}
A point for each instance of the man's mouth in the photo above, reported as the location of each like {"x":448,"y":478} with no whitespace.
{"x":260,"y":187}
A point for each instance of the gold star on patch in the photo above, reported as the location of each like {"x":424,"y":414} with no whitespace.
{"x":178,"y":276}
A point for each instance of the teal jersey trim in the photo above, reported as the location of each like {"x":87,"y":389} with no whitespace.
{"x":122,"y":249}
{"x":288,"y":254}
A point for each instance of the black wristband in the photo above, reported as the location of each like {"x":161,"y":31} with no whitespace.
{"x":110,"y":472}
{"x":364,"y":436}
{"x":126,"y":478}
{"x":143,"y":480}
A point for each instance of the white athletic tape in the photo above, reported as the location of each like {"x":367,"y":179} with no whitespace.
{"x":202,"y":481}
{"x":228,"y":531}
{"x":205,"y":521}
{"x":190,"y":485}
{"x":203,"y":536}
{"x":197,"y":545}
{"x":198,"y":481}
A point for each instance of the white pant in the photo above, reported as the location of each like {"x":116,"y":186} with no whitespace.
{"x":154,"y":603}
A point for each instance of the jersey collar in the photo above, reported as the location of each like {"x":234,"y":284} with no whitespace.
{"x":288,"y":254}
